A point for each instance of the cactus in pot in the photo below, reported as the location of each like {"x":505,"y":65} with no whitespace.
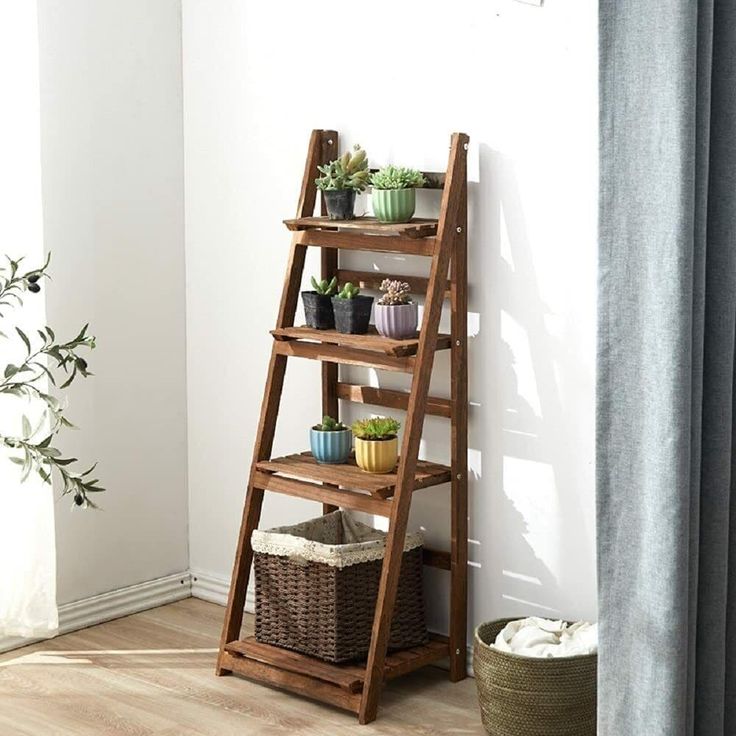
{"x":352,"y":310}
{"x":394,"y":193}
{"x":376,"y":444}
{"x":341,"y":179}
{"x":396,"y":312}
{"x":318,"y":304}
{"x":330,"y":441}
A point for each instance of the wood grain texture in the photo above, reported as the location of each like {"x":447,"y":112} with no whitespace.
{"x":151,"y":675}
{"x":348,"y":676}
{"x":419,"y":227}
{"x":325,"y":494}
{"x":361,"y":241}
{"x":329,"y":261}
{"x":390,"y":398}
{"x":373,"y":279}
{"x":450,"y":213}
{"x":269,"y":411}
{"x":344,"y":355}
{"x":349,"y":475}
{"x":459,"y":444}
{"x":370,"y":341}
{"x":444,"y":240}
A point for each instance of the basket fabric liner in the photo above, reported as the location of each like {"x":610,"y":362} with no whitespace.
{"x":335,"y":539}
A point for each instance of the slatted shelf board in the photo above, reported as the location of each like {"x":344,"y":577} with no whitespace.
{"x":348,"y":677}
{"x":371,"y":341}
{"x":418,"y":227}
{"x":350,"y":476}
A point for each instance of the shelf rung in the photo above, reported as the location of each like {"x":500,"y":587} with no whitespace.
{"x":373,"y":279}
{"x":375,"y":243}
{"x":437,"y":558}
{"x":344,"y":355}
{"x":323,"y":494}
{"x":390,"y":398}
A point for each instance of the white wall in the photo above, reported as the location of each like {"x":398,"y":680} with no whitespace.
{"x":522,"y":82}
{"x":112,"y":156}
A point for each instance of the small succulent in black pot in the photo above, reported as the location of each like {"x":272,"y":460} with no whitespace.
{"x":340,"y":181}
{"x":352,"y":310}
{"x":318,"y":304}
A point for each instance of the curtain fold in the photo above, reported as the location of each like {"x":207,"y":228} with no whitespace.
{"x":667,"y":321}
{"x":27,"y":538}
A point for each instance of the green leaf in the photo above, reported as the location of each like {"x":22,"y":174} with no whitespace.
{"x":10,"y":370}
{"x":65,"y":461}
{"x":25,"y":339}
{"x":26,"y":424}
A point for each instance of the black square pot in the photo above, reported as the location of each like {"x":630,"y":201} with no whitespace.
{"x":352,"y":316}
{"x":318,"y":310}
{"x":340,"y":203}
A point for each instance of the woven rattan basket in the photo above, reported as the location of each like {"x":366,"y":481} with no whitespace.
{"x":317,"y":583}
{"x":529,"y":696}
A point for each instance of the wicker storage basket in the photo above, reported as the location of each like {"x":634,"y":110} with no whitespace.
{"x":317,"y":583}
{"x":529,"y":696}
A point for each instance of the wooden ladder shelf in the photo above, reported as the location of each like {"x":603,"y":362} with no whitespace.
{"x":357,"y":687}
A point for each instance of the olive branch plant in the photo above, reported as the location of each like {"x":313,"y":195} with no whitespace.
{"x":34,"y":448}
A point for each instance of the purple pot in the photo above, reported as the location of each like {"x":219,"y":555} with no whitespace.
{"x":398,"y":321}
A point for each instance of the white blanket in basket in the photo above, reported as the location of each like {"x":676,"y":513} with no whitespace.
{"x":540,"y":637}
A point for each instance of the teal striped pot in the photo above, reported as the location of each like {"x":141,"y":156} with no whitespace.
{"x":331,"y":448}
{"x":394,"y":205}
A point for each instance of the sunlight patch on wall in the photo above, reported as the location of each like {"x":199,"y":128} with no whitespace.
{"x":530,"y":486}
{"x":516,"y":337}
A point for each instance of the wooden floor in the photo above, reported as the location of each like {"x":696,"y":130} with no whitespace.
{"x":152,"y":673}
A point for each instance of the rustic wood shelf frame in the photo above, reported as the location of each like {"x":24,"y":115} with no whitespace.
{"x":357,"y":687}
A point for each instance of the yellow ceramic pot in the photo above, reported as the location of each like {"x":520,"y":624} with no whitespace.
{"x":376,"y":456}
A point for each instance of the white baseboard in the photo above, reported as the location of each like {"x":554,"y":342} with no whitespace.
{"x":214,"y":589}
{"x":115,"y":604}
{"x":141,"y":597}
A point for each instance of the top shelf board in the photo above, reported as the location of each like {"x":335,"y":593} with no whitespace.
{"x":419,"y":227}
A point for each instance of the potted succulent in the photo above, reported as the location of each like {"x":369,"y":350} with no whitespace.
{"x":394,"y":193}
{"x":376,"y":444}
{"x":340,"y":180}
{"x":318,"y":304}
{"x":396,"y":313}
{"x":330,"y":441}
{"x":352,"y":310}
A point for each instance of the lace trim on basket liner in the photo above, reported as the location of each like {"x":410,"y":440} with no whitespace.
{"x":336,"y":539}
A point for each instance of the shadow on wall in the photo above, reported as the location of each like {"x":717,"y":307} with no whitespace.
{"x":530,"y":550}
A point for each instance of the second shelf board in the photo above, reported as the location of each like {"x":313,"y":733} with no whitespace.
{"x":418,"y":227}
{"x":371,"y":341}
{"x":350,"y":477}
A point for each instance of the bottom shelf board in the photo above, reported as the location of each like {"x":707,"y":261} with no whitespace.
{"x":347,"y":677}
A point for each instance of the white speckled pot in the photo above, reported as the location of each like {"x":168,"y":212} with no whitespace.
{"x":398,"y":320}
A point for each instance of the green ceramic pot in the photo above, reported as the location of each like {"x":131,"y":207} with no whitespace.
{"x":394,"y":205}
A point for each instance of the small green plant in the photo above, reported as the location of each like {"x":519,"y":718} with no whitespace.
{"x":33,"y":448}
{"x":348,"y":291}
{"x":397,"y":177}
{"x":330,"y":425}
{"x":325,"y":287}
{"x":376,"y":428}
{"x":350,"y":171}
{"x":395,"y":292}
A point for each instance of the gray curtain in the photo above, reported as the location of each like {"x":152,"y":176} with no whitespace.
{"x":667,"y":318}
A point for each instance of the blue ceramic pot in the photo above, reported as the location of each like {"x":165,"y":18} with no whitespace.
{"x":331,"y":448}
